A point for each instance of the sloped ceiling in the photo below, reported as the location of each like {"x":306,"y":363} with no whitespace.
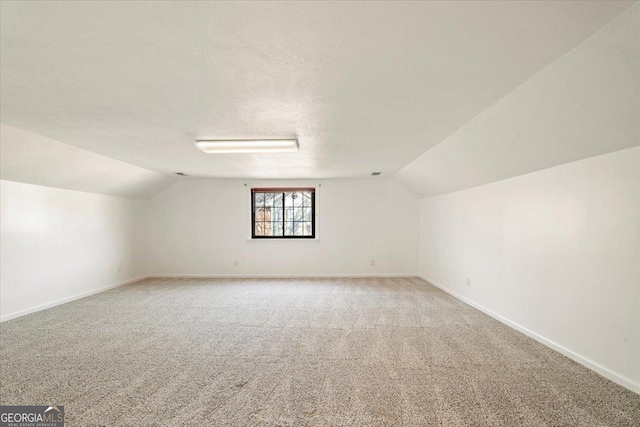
{"x":364,"y":86}
{"x":585,"y":104}
{"x":33,"y":159}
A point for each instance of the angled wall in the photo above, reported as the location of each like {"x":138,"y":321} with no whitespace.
{"x":554,"y":253}
{"x":34,"y":159}
{"x":58,"y":245}
{"x":584,"y":104}
{"x":65,"y":233}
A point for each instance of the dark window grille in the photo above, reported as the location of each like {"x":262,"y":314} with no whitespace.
{"x":283,"y":213}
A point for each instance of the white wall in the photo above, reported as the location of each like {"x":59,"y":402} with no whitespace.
{"x":203,"y":226}
{"x":59,"y":244}
{"x":556,"y":252}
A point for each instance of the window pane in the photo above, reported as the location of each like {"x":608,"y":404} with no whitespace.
{"x":306,"y":214}
{"x":307,"y":228}
{"x":288,"y":200}
{"x":288,"y":229}
{"x":276,"y":215}
{"x":297,"y":229}
{"x":268,"y":199}
{"x":277,"y":229}
{"x":267,"y":228}
{"x":259,"y":229}
{"x":263,"y":214}
{"x":297,"y":199}
{"x":283,"y":214}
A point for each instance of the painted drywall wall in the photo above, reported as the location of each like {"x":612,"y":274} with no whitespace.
{"x":555,"y":252}
{"x":57,"y":245}
{"x":200,"y":227}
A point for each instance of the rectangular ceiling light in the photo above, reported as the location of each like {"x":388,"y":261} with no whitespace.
{"x":247,"y":145}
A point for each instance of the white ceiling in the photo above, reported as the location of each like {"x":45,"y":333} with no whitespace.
{"x":585,"y":104}
{"x":364,"y":86}
{"x":34,"y":159}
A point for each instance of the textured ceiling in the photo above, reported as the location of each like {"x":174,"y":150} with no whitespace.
{"x":364,"y":86}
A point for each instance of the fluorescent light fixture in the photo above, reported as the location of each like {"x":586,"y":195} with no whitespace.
{"x":247,"y":145}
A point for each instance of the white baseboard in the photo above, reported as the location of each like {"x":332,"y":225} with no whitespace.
{"x":271,"y":276}
{"x":40,"y":307}
{"x":588,"y":363}
{"x":584,"y":361}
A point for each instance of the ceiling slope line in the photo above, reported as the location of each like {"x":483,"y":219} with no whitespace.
{"x":34,"y":159}
{"x":625,"y":27}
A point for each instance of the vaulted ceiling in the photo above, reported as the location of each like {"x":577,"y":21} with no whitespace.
{"x":585,"y":104}
{"x":384,"y":86}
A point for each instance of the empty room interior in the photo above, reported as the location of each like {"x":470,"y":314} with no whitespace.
{"x":320,"y":213}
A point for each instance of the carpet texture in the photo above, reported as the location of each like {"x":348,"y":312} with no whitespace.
{"x":304,"y":352}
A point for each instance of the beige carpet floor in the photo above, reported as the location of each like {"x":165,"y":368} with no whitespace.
{"x":304,"y":352}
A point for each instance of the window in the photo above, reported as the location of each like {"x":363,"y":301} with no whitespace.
{"x":283,"y":213}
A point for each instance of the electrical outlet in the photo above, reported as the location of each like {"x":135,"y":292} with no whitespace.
{"x":373,"y":262}
{"x":235,"y":263}
{"x":468,"y":282}
{"x":119,"y":268}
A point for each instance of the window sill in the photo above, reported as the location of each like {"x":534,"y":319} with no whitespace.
{"x":316,"y":239}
